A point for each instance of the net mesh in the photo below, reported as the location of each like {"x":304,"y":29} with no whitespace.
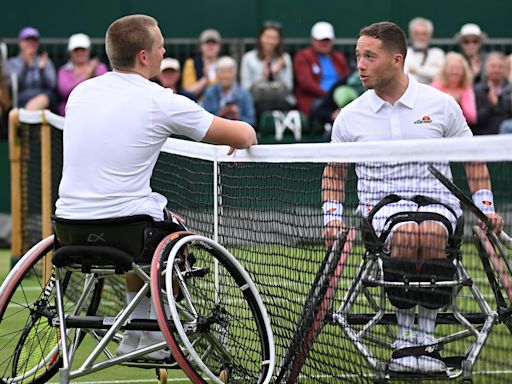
{"x":264,"y":205}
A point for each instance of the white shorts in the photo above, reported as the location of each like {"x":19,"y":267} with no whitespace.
{"x":409,"y":206}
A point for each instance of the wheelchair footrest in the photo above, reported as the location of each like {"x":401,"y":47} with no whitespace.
{"x":390,"y":318}
{"x":450,"y":373}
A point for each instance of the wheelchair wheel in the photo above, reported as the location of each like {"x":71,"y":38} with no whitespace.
{"x":218,"y":329}
{"x":29,"y":350}
{"x":316,"y":307}
{"x":497,"y":273}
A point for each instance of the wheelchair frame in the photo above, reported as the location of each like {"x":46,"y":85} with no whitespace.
{"x":217,"y":360}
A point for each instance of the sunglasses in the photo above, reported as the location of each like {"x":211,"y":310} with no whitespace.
{"x":470,"y":41}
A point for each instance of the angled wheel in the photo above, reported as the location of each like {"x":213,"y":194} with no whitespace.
{"x":210,"y":312}
{"x":316,"y":307}
{"x":29,"y":351}
{"x":498,"y":274}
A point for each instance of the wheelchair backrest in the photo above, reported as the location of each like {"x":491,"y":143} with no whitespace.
{"x":127,"y":234}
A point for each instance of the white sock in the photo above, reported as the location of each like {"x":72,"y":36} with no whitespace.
{"x":152,"y":316}
{"x":427,"y":321}
{"x":405,"y":320}
{"x":141,"y":310}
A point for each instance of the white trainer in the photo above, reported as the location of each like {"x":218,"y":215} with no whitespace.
{"x":151,"y":338}
{"x":405,"y":363}
{"x":429,"y":364}
{"x":129,"y":342}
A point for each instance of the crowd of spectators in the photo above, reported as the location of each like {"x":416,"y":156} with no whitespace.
{"x":317,"y":80}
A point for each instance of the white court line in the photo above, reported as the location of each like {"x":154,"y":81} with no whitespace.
{"x":152,"y":381}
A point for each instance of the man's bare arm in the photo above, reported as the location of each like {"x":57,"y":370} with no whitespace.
{"x":236,"y":134}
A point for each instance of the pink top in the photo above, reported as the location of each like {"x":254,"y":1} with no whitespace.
{"x":67,"y":81}
{"x":467,"y":101}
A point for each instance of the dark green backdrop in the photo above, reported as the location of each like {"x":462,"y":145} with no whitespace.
{"x":241,"y":18}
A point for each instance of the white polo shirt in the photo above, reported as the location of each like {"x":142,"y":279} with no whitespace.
{"x":115,"y":127}
{"x":422,"y":112}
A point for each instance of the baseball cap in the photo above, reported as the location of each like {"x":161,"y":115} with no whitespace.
{"x":170,"y":63}
{"x":322,"y":30}
{"x":78,"y":40}
{"x":28,"y":32}
{"x":470,"y":29}
{"x":209,"y":35}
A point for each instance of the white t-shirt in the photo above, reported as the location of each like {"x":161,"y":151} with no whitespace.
{"x":424,"y":64}
{"x":422,"y":112}
{"x":114,"y":129}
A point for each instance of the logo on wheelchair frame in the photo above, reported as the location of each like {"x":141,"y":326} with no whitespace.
{"x":94,"y":238}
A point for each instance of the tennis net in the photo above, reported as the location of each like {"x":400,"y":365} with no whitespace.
{"x":264,"y":205}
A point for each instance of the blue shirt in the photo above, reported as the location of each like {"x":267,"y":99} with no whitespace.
{"x":329,"y":74}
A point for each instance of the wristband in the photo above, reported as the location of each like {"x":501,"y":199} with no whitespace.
{"x":484,"y":200}
{"x":333,"y":210}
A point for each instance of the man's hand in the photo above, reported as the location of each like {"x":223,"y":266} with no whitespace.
{"x":331,"y":230}
{"x":43,"y":59}
{"x":497,"y":222}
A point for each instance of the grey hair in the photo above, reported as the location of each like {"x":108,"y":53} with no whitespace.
{"x":421,"y":20}
{"x":227,"y":62}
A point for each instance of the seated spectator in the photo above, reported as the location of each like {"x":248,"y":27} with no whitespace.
{"x":455,"y":79}
{"x":317,"y":68}
{"x":170,"y":77}
{"x":422,"y":61}
{"x":470,"y":38}
{"x":36,"y":76}
{"x":5,"y":105}
{"x":508,"y":68}
{"x":493,"y":96}
{"x":267,"y":71}
{"x":227,"y":98}
{"x":80,"y":67}
{"x":200,"y":71}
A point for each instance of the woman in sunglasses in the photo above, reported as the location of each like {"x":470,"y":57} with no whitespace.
{"x":470,"y":38}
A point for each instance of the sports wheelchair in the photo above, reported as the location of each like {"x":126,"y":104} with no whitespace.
{"x":208,"y":309}
{"x":371,"y":333}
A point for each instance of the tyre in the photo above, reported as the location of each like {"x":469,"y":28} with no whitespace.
{"x":210,"y":312}
{"x":29,"y":339}
{"x":316,"y":307}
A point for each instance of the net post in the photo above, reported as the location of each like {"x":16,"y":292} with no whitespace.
{"x":216,"y":195}
{"x":46,"y":189}
{"x":16,"y":192}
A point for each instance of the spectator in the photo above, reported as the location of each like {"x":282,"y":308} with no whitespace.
{"x":470,"y":38}
{"x":35,"y":74}
{"x":79,"y":68}
{"x":508,"y":68}
{"x":422,"y":61}
{"x":5,"y":105}
{"x":227,"y":98}
{"x":317,"y":68}
{"x":267,"y":71}
{"x":455,"y":79}
{"x":170,"y":77}
{"x":493,"y":96}
{"x":200,"y":71}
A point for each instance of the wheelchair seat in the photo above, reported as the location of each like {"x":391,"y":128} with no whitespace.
{"x":113,"y":242}
{"x":375,"y":244}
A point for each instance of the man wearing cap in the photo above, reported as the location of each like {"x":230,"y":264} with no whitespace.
{"x":170,"y":77}
{"x":80,"y":67}
{"x":317,"y":68}
{"x":200,"y":71}
{"x":470,"y":38}
{"x":35,"y":75}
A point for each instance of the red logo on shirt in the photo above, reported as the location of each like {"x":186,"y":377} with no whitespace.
{"x":424,"y":120}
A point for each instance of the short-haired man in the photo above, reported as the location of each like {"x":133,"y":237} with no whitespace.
{"x":115,"y":126}
{"x":317,"y":68}
{"x":387,"y":111}
{"x":422,"y":60}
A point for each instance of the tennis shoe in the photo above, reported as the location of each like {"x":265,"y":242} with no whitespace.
{"x":429,"y":364}
{"x":129,"y":342}
{"x":150,"y":338}
{"x":405,"y":363}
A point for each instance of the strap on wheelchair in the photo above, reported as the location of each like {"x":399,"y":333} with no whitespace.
{"x":419,"y":350}
{"x":373,"y":242}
